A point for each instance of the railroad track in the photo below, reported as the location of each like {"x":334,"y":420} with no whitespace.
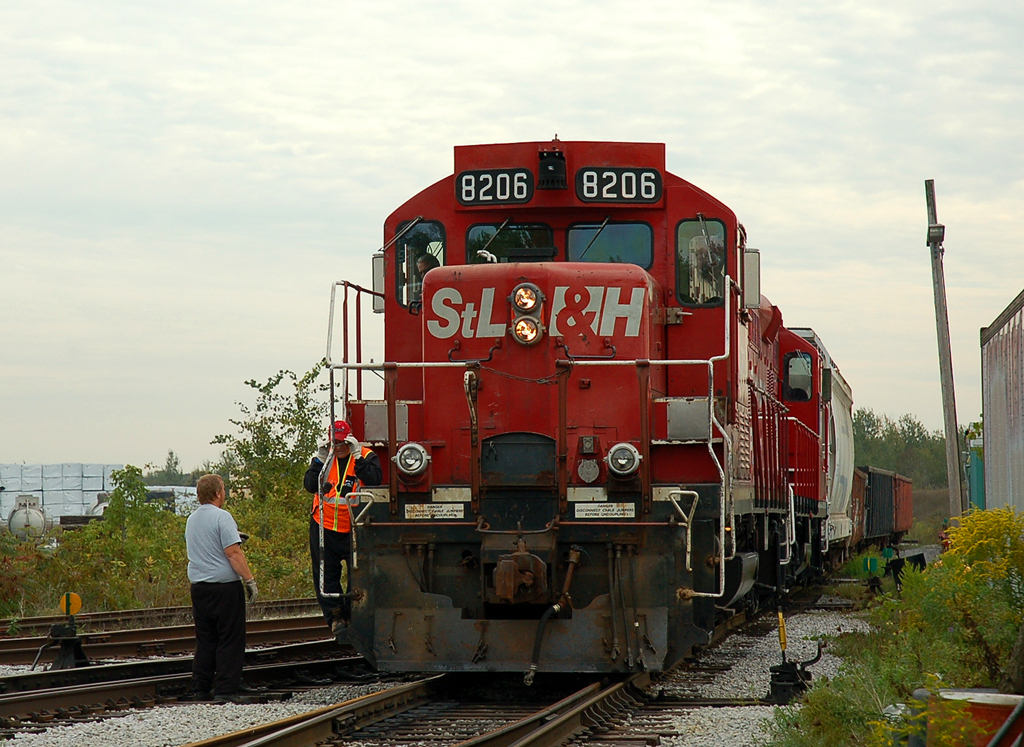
{"x":458,"y":713}
{"x":628,"y":712}
{"x":164,"y":641}
{"x":264,"y":682}
{"x":295,"y":653}
{"x":153,"y":617}
{"x":598,"y":714}
{"x":426,"y":712}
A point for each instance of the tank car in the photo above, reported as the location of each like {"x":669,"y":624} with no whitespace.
{"x":28,"y":520}
{"x":599,"y":438}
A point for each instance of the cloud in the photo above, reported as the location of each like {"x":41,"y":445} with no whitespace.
{"x":191,"y":178}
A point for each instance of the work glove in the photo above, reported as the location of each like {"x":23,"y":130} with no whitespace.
{"x":323,"y":452}
{"x":353,"y":445}
{"x":251,"y":590}
{"x":325,"y":488}
{"x":349,"y":486}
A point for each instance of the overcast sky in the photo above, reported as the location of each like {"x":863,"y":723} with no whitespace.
{"x":182,"y":182}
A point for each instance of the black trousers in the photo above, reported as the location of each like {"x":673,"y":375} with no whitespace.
{"x":219,"y":613}
{"x":337,"y":547}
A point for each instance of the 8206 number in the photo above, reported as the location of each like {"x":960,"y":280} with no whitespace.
{"x":613,"y":184}
{"x":494,"y":186}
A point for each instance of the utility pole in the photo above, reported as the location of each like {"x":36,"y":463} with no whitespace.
{"x":936,"y":234}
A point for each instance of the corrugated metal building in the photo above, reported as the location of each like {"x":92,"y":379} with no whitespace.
{"x":60,"y":489}
{"x":1002,"y":401}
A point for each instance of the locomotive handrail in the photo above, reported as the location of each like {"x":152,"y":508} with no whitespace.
{"x":356,"y":521}
{"x":359,"y":336}
{"x":803,"y":442}
{"x":686,"y":517}
{"x":726,"y":519}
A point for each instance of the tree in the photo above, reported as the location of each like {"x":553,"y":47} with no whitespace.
{"x":264,"y":464}
{"x":171,"y":474}
{"x":903,"y":445}
{"x":135,"y":557}
{"x":277,"y":435}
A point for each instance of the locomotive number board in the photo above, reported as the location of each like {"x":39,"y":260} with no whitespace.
{"x":633,"y":185}
{"x":615,"y":184}
{"x":494,"y":187}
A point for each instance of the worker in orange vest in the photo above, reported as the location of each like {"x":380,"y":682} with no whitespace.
{"x":349,"y":467}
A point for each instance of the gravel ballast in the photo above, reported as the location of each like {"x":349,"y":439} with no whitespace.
{"x":169,"y":726}
{"x":749,"y":659}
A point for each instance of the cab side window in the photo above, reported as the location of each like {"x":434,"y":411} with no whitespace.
{"x":418,"y":251}
{"x":798,"y":377}
{"x":700,"y":262}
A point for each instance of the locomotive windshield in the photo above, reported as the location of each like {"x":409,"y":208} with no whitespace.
{"x":509,"y":242}
{"x":700,"y":261}
{"x":628,"y":243}
{"x":419,"y":250}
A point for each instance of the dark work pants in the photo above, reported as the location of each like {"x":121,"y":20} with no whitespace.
{"x":337,"y":547}
{"x":219,"y":612}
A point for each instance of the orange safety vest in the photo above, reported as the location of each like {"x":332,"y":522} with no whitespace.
{"x":336,"y":517}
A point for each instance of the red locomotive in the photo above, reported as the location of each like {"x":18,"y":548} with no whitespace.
{"x":598,"y":437}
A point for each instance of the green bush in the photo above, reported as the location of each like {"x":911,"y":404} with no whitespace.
{"x":265,"y":463}
{"x":135,"y":557}
{"x":952,"y":626}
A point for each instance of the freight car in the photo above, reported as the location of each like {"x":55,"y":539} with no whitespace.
{"x":882,"y":509}
{"x":599,"y":438}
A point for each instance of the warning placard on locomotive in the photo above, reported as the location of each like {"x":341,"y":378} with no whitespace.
{"x":435,"y":511}
{"x":605,"y":510}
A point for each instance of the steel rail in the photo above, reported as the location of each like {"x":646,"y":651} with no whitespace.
{"x":152,"y":616}
{"x":29,"y":706}
{"x":592,"y":712}
{"x":517,"y":731}
{"x":165,"y":641}
{"x":298,"y":654}
{"x":325,"y":724}
{"x":322,"y":724}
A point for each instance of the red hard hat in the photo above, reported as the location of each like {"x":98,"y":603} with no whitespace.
{"x":342,"y":430}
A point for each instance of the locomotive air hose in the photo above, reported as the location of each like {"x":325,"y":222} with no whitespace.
{"x":548,"y":614}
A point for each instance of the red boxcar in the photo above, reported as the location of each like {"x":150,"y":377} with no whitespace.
{"x":903,"y":492}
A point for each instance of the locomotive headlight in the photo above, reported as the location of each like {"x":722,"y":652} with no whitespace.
{"x":526,"y":297}
{"x":526,"y":330}
{"x":412,"y":460}
{"x":623,"y":460}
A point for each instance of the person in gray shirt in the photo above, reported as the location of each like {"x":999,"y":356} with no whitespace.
{"x":221,"y":582}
